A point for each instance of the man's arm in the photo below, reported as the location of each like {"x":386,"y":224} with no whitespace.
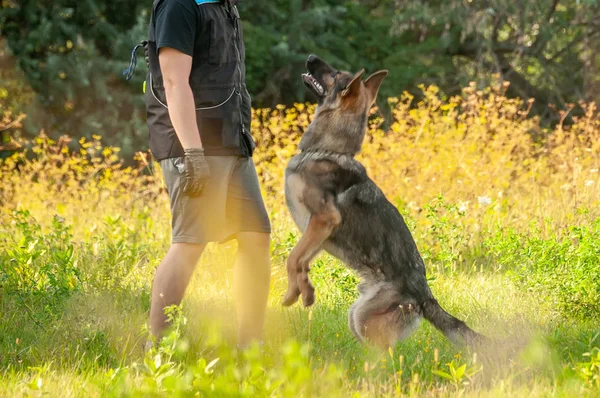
{"x":176,"y":67}
{"x":176,"y":23}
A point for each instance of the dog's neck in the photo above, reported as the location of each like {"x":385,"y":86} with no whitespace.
{"x":335,"y":133}
{"x":343,"y":160}
{"x":326,"y":153}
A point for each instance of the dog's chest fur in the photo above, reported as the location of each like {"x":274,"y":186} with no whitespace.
{"x":328,"y":173}
{"x":294,"y":187}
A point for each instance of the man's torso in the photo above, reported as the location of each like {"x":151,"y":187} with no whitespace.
{"x":211,"y":33}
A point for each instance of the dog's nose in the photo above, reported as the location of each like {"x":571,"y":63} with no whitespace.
{"x":311,"y":59}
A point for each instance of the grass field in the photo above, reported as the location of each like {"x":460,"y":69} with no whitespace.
{"x":505,"y":213}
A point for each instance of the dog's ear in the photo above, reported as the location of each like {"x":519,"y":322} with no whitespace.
{"x":354,"y":85}
{"x":373,"y":83}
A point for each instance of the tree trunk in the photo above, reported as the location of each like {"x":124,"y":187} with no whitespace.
{"x":591,"y":69}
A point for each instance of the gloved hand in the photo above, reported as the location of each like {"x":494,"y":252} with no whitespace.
{"x":196,"y":171}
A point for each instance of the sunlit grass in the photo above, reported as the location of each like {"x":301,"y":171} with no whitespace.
{"x":509,"y":228}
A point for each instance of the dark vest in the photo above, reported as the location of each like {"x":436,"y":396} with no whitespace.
{"x":217,"y":79}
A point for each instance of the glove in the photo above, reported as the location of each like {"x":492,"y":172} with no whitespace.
{"x":196,"y":171}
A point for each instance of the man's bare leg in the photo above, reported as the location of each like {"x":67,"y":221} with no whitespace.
{"x":251,"y":279}
{"x":170,"y":282}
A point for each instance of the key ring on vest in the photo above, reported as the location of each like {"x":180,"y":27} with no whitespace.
{"x":198,"y":109}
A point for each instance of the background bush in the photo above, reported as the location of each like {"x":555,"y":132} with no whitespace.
{"x":71,"y":55}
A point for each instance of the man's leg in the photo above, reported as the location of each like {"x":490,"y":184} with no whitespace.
{"x":170,"y":281}
{"x":251,"y":280}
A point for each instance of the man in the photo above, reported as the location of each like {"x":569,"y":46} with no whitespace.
{"x":198,"y":113}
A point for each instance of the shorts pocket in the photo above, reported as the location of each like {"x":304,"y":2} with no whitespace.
{"x":174,"y":174}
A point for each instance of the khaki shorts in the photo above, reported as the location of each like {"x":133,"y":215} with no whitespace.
{"x":230,"y":202}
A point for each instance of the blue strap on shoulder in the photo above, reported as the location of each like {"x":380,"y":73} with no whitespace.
{"x":198,"y":2}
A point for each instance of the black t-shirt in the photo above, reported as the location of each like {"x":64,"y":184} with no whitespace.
{"x":176,"y":25}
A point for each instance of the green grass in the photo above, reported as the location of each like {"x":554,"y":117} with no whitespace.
{"x":74,"y":318}
{"x":509,"y":230}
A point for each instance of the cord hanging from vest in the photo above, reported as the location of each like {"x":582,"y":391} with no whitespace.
{"x":133,"y":61}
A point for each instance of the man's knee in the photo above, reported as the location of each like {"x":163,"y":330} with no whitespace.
{"x":253,"y":242}
{"x":187,"y":251}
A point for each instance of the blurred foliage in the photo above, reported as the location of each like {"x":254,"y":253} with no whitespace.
{"x":547,"y":49}
{"x":72,"y":54}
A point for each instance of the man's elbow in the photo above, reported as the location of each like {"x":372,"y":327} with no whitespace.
{"x":176,"y":67}
{"x":175,"y":82}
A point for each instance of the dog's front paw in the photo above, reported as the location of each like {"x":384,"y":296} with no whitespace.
{"x":291,"y":296}
{"x":308,"y":296}
{"x":306,"y":287}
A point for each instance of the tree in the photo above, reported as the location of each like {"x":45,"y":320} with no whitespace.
{"x":280,"y":34}
{"x":536,"y":45}
{"x":72,"y":53}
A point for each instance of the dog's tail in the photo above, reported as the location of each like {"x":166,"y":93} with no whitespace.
{"x":453,"y":328}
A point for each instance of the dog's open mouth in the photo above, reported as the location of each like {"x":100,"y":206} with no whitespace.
{"x":313,"y":84}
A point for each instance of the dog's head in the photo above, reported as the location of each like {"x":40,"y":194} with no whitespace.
{"x":344,"y":101}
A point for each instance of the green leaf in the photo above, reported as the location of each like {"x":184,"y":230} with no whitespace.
{"x":443,"y":374}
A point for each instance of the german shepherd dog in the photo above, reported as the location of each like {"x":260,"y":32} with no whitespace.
{"x":340,"y":209}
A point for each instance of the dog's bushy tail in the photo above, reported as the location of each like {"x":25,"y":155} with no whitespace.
{"x":453,"y":328}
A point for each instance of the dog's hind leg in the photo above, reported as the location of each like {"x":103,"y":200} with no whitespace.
{"x":352,"y":323}
{"x":362,"y":289}
{"x":382,"y":317}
